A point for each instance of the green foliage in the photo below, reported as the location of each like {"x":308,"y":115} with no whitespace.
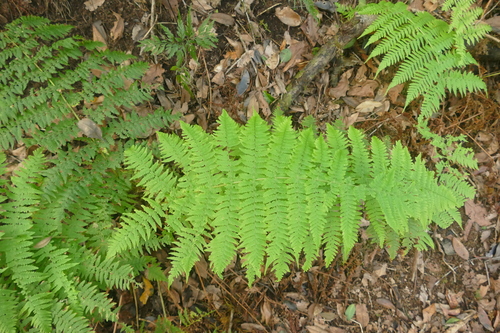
{"x":58,"y":211}
{"x":275,"y":194}
{"x":185,"y":42}
{"x":432,"y":52}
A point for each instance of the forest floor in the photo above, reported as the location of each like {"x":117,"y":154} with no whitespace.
{"x":453,"y":288}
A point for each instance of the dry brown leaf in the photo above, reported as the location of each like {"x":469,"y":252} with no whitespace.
{"x":366,"y":89}
{"x":252,"y":326}
{"x":272,"y":54}
{"x":148,"y":291}
{"x":99,"y":34}
{"x":222,"y":18}
{"x":42,"y":243}
{"x":494,"y":22}
{"x":117,"y":30}
{"x":288,"y":16}
{"x":310,"y":28}
{"x":477,"y":213}
{"x":92,"y":5}
{"x":460,"y":249}
{"x":316,"y":329}
{"x":484,"y":319}
{"x":138,"y":32}
{"x":385,"y":303}
{"x":341,"y":89}
{"x":219,"y":78}
{"x":368,"y":106}
{"x":238,"y":49}
{"x":362,"y":315}
{"x":172,"y":7}
{"x":297,"y":50}
{"x":428,"y":312}
{"x":266,"y":312}
{"x":153,"y":74}
{"x":395,"y":92}
{"x":89,"y":128}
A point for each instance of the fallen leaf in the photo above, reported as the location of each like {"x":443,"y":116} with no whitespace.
{"x":484,"y":319}
{"x":89,"y":128}
{"x":251,"y":326}
{"x":138,"y":32}
{"x":460,"y":248}
{"x":117,"y":30}
{"x":148,"y":291}
{"x":288,"y":16}
{"x":428,"y":312}
{"x":365,"y":89}
{"x":494,"y":22}
{"x":272,"y":56}
{"x":242,"y":86}
{"x":238,"y":49}
{"x":153,"y":74}
{"x":92,"y":5}
{"x":477,"y":213}
{"x":362,"y":315}
{"x":42,"y":243}
{"x":266,"y":312}
{"x":172,"y":7}
{"x":341,"y":89}
{"x":368,"y":106}
{"x":222,"y":18}
{"x":99,"y":34}
{"x":385,"y":303}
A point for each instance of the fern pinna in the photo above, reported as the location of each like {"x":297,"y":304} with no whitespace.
{"x":273,"y":194}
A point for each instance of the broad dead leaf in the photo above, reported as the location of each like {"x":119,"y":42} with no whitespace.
{"x":365,"y":89}
{"x":272,"y":54}
{"x":484,"y":319}
{"x":238,"y":49}
{"x":288,"y":16}
{"x":368,"y":106}
{"x":477,"y":213}
{"x":362,"y":315}
{"x":341,"y":89}
{"x":92,"y":5}
{"x":117,"y":30}
{"x":266,"y":312}
{"x":172,"y":8}
{"x":428,"y":312}
{"x":89,"y":128}
{"x":148,"y":291}
{"x":385,"y":303}
{"x":460,"y":248}
{"x":99,"y":34}
{"x":154,"y":74}
{"x":222,"y":18}
{"x":494,"y":22}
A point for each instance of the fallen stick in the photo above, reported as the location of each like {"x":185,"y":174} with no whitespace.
{"x":333,"y":48}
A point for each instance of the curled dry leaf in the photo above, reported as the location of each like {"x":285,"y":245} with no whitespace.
{"x":117,"y":30}
{"x":460,"y":248}
{"x":385,"y":303}
{"x":242,"y":86}
{"x":89,"y":128}
{"x":484,"y":319}
{"x":288,"y":16}
{"x":222,"y":18}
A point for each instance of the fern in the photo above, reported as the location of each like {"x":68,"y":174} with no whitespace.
{"x":275,"y":194}
{"x":432,"y":52}
{"x":59,"y":211}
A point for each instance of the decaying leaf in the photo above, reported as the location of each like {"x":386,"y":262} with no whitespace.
{"x":148,"y":291}
{"x":362,"y":315}
{"x":460,"y":248}
{"x":99,"y":34}
{"x":42,"y":243}
{"x":89,"y":128}
{"x":477,"y":213}
{"x":92,"y":5}
{"x":222,"y":18}
{"x":117,"y":30}
{"x":242,"y":86}
{"x":288,"y":16}
{"x":368,"y":106}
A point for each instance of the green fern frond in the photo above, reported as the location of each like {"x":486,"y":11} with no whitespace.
{"x":275,"y":195}
{"x":432,"y":52}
